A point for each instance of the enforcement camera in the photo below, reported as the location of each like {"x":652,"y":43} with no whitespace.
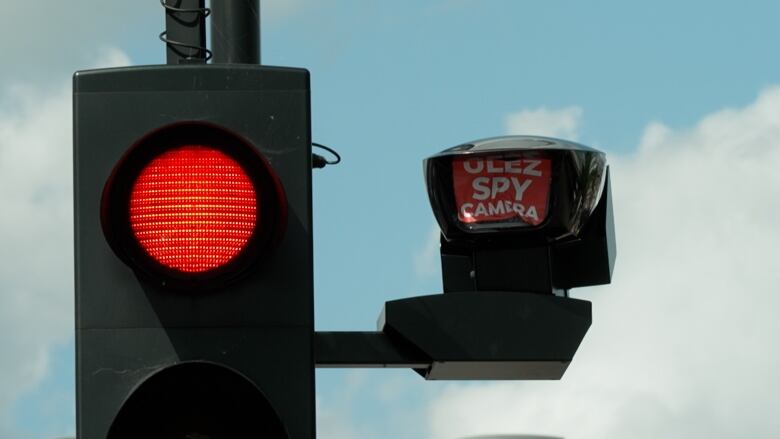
{"x":522,"y":213}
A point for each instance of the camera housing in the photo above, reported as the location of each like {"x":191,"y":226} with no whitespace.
{"x":522,"y":213}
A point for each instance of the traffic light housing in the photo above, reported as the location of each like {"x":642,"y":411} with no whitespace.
{"x":207,"y":344}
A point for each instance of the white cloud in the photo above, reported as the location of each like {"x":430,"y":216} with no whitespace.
{"x":371,"y":403}
{"x":563,"y":123}
{"x":45,"y":39}
{"x":426,"y":258}
{"x":275,"y":10}
{"x":334,"y":423}
{"x":333,"y":419}
{"x":36,"y":224}
{"x":684,"y":343}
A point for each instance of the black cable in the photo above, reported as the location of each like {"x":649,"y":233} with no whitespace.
{"x":204,"y":12}
{"x":318,"y":161}
{"x":189,"y":46}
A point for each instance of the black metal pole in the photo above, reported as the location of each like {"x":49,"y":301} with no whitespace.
{"x":235,"y":31}
{"x":366,"y":349}
{"x":185,"y":31}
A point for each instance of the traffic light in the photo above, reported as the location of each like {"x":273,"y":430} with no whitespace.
{"x":194,"y":291}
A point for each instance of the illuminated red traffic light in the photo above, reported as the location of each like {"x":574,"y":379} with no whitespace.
{"x":192,"y":205}
{"x":193,"y":208}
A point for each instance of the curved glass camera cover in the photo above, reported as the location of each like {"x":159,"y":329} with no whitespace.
{"x":515,"y":183}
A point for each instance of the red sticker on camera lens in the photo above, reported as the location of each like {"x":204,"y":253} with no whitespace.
{"x":492,"y":189}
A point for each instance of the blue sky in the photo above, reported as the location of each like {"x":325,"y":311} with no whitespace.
{"x":682,"y":95}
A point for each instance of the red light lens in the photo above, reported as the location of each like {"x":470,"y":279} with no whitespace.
{"x":193,"y":208}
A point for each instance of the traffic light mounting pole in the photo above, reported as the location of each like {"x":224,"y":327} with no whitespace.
{"x":235,"y":31}
{"x":465,"y":336}
{"x":350,"y":349}
{"x":185,"y":31}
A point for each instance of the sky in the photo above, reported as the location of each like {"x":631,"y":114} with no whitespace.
{"x":684,"y":97}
